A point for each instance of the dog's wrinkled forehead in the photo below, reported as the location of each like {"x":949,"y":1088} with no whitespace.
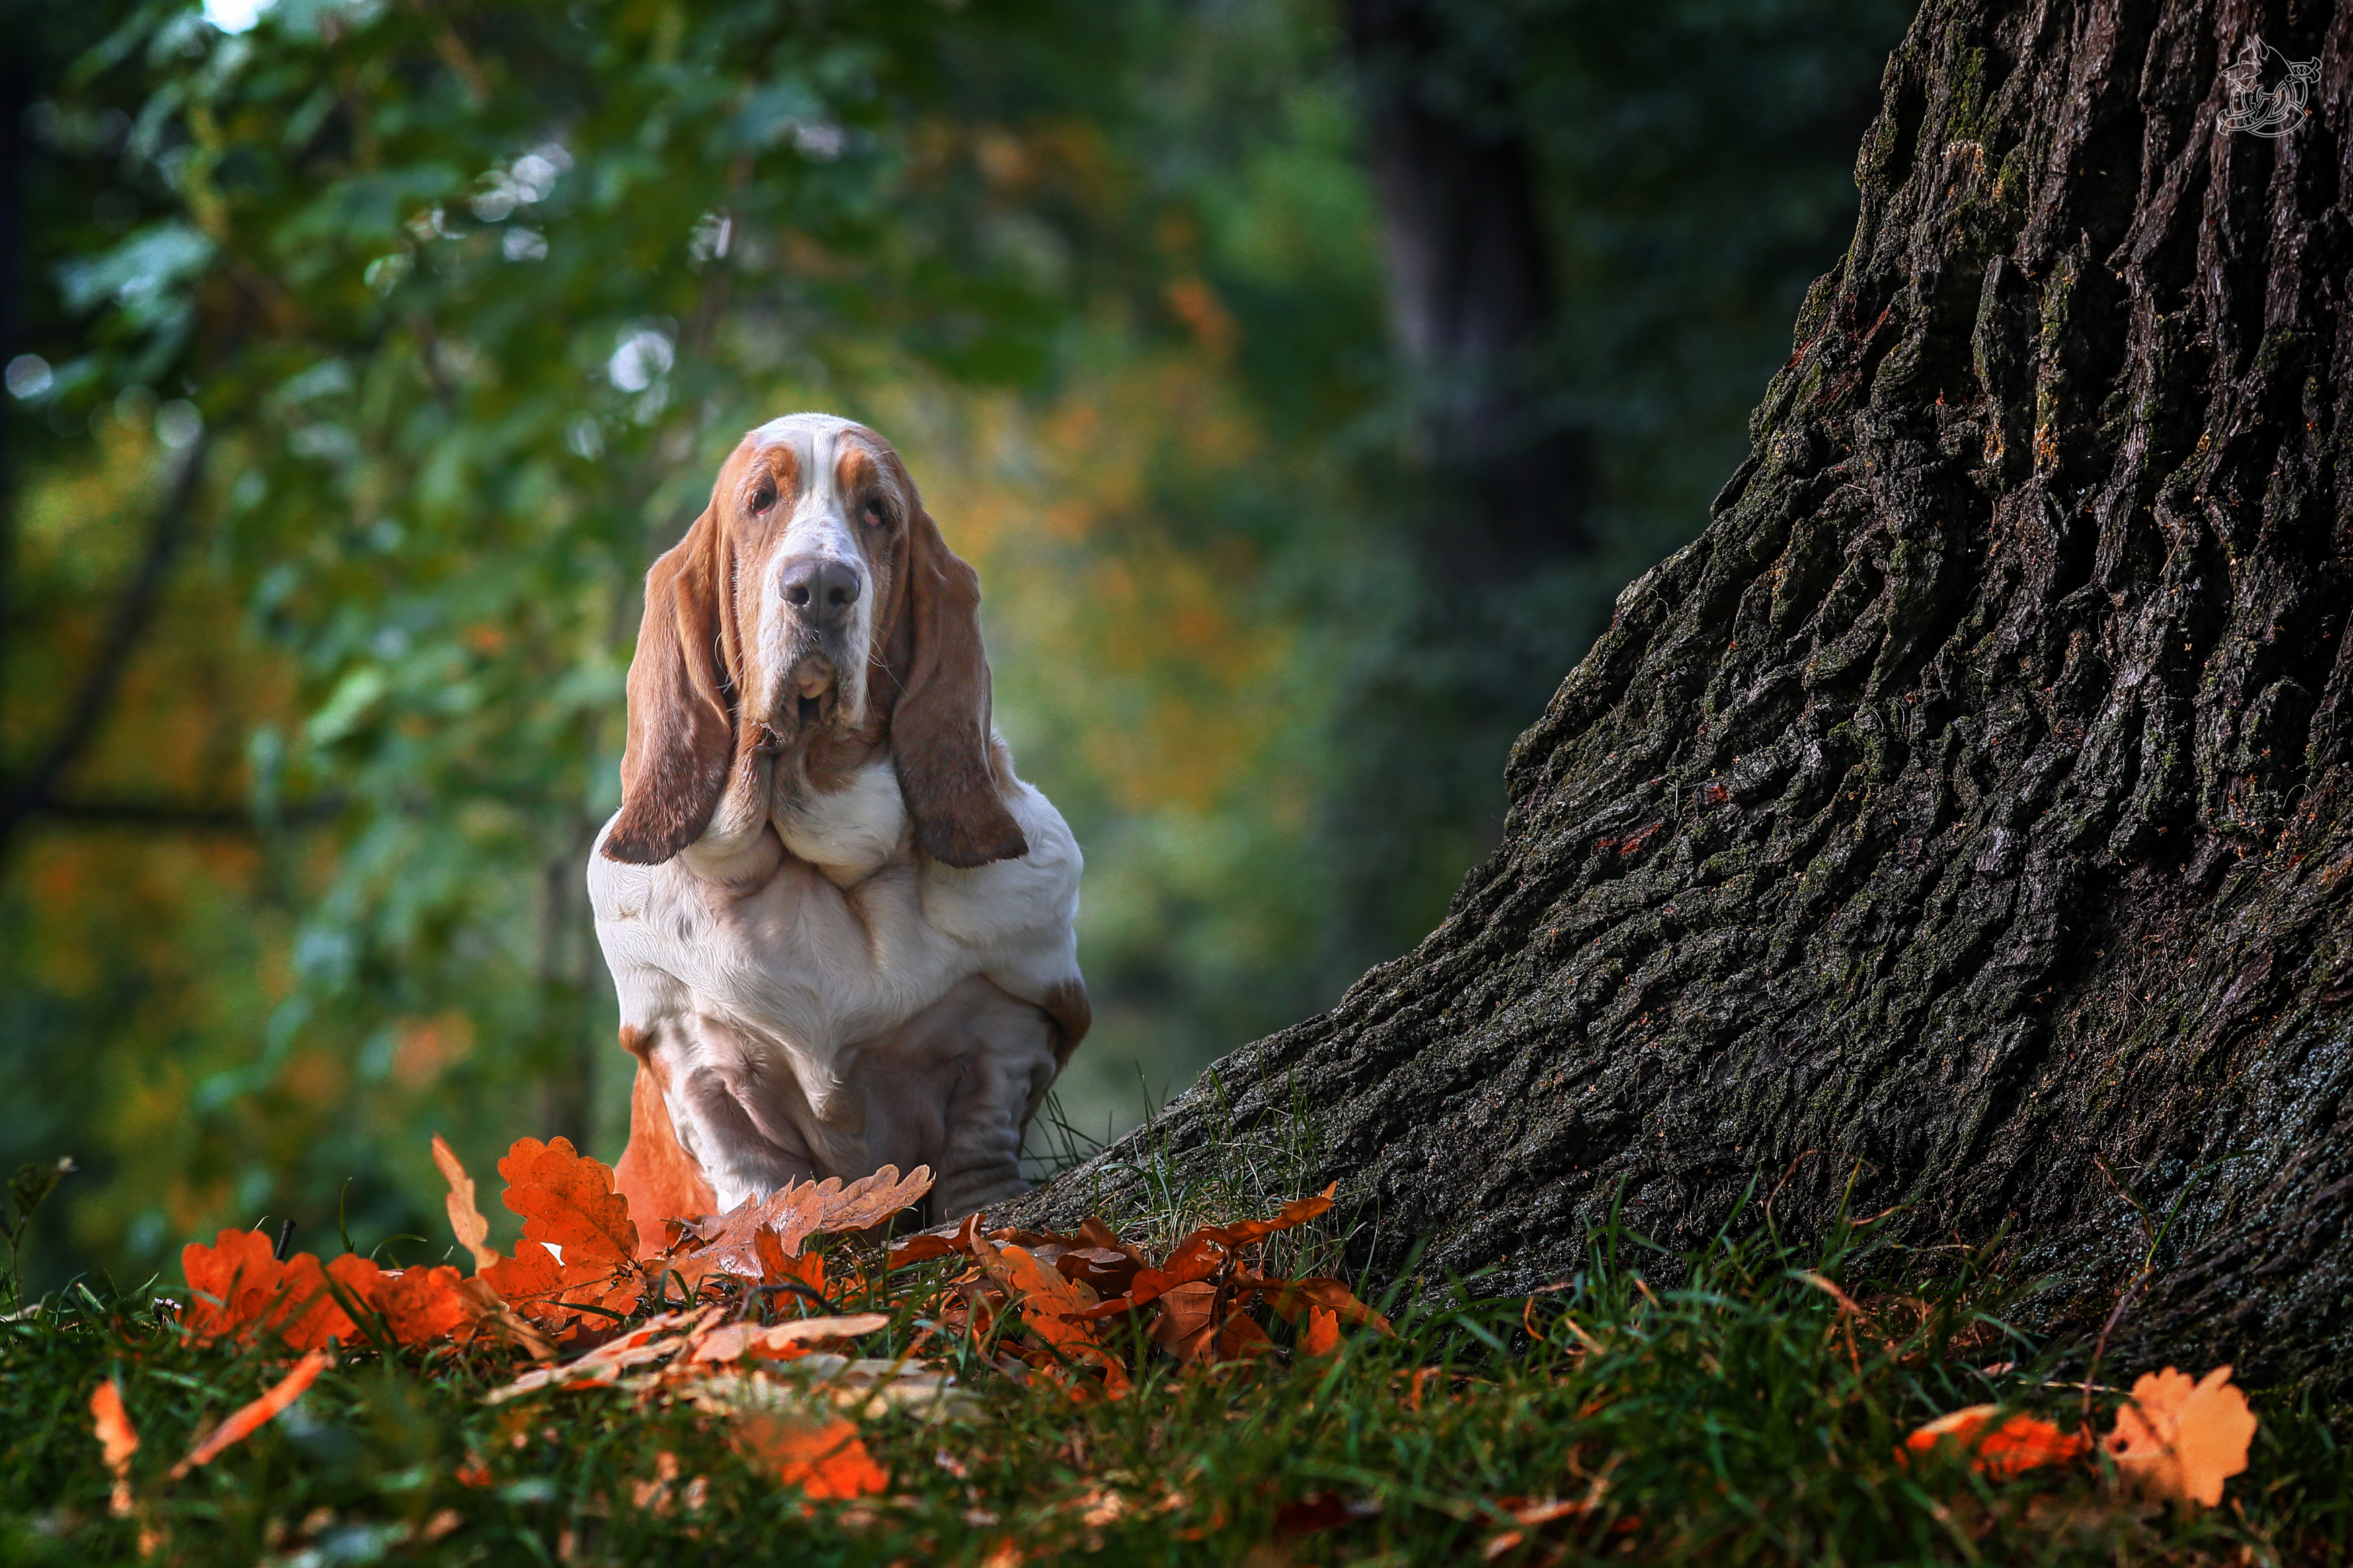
{"x":833,"y":458}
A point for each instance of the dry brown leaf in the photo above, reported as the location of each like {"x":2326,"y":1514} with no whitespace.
{"x":2019,"y":1444}
{"x":828,"y":1460}
{"x":1322,"y":1336}
{"x":732,"y":1341}
{"x":1187,"y":1325}
{"x":1053,"y":1309}
{"x":245,"y":1423}
{"x":2181,"y":1439}
{"x":804,"y":1209}
{"x":1296,"y":1212}
{"x":118,"y":1440}
{"x":232,"y":1284}
{"x":467,"y":1221}
{"x":668,"y":1334}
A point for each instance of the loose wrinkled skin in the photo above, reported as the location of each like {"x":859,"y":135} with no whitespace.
{"x":1968,"y":812}
{"x":840,"y":928}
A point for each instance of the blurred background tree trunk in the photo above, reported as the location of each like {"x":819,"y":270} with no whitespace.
{"x":1471,"y":290}
{"x":1511,"y":149}
{"x":1969,"y":812}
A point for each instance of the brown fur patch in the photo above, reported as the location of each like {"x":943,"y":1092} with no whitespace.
{"x":1066,"y":1004}
{"x":681,"y":733}
{"x":940,"y":733}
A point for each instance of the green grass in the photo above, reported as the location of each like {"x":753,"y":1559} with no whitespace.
{"x":1746,"y":1415}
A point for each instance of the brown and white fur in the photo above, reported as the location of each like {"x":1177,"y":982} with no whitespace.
{"x":840,"y":926}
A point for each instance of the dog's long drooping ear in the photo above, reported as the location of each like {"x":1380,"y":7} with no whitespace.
{"x":939,"y":726}
{"x":681,"y":726}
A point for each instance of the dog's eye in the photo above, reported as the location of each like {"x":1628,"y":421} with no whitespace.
{"x":763,"y":499}
{"x":875,"y":515}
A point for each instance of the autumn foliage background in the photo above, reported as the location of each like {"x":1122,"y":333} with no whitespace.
{"x":373,"y":353}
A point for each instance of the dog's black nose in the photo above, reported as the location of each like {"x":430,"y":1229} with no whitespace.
{"x":821,"y":589}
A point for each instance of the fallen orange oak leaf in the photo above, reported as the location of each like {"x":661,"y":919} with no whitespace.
{"x":732,"y":1341}
{"x":777,"y":1267}
{"x":466,"y":1218}
{"x":2181,"y":1439}
{"x":668,"y":1334}
{"x":2019,"y":1444}
{"x":309,"y":1313}
{"x":573,"y":1220}
{"x":117,"y":1440}
{"x":1197,"y":1257}
{"x":233,"y":1281}
{"x":823,"y":1461}
{"x":1291,"y":1296}
{"x":1187,"y":1325}
{"x":1322,"y":1335}
{"x":1052,"y":1308}
{"x":804,"y":1209}
{"x":301,"y":1301}
{"x":246,"y":1422}
{"x":420,"y":1305}
{"x":1297,"y":1212}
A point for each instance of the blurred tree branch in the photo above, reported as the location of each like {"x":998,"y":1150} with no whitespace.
{"x":34,"y":793}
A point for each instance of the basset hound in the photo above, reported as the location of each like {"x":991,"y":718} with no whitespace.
{"x":842,"y":928}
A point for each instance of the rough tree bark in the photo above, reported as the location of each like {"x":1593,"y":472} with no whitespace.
{"x":1971,"y":807}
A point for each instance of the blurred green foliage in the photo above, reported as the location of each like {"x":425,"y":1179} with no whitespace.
{"x":457,"y":305}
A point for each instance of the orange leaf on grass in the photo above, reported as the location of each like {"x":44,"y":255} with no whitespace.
{"x":804,"y":1209}
{"x":1053,"y":1309}
{"x":118,"y":1440}
{"x":310,"y":1313}
{"x":672,"y":1334}
{"x":240,"y":1275}
{"x":1291,"y":1296}
{"x":579,"y":1244}
{"x":732,"y":1341}
{"x":1187,"y":1325}
{"x":1296,"y":1212}
{"x":825,"y":1461}
{"x":420,"y":1305}
{"x":466,"y":1218}
{"x":779,"y":1267}
{"x":251,"y":1291}
{"x":1197,"y":1257}
{"x":568,"y":1206}
{"x":2180,"y":1440}
{"x":2017,"y":1445}
{"x":1322,"y":1335}
{"x":1239,"y":1338}
{"x":246,"y":1422}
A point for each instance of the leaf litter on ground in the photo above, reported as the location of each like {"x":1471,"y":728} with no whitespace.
{"x":747,"y":1325}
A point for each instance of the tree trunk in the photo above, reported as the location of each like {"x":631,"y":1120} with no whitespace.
{"x":1970,"y":808}
{"x":1495,"y":484}
{"x":1471,"y":287}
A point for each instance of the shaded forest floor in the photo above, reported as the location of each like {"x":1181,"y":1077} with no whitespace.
{"x":1755,"y":1413}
